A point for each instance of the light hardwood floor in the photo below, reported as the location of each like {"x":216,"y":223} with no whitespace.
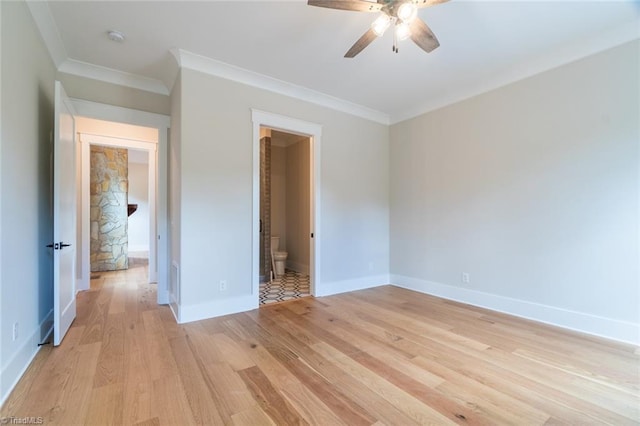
{"x":379,"y":356}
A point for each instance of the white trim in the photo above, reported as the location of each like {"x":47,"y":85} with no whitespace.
{"x":216,"y":308}
{"x":86,"y":140}
{"x":216,"y":68}
{"x":315,"y":259}
{"x":43,"y":19}
{"x":530,"y":67}
{"x":305,"y":128}
{"x":41,"y":14}
{"x":2,"y":394}
{"x":344,"y":286}
{"x":102,"y":140}
{"x":578,"y":321}
{"x":161,"y":123}
{"x":174,"y":289}
{"x":110,"y":75}
{"x":84,"y":280}
{"x":22,"y":358}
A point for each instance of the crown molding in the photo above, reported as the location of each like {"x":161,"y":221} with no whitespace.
{"x":563,"y":55}
{"x":109,"y":75}
{"x":220,"y":69}
{"x":48,"y":30}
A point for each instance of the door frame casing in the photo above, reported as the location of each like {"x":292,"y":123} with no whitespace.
{"x":314,"y":132}
{"x":160,"y":122}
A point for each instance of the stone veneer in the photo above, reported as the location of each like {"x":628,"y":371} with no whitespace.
{"x":108,"y":214}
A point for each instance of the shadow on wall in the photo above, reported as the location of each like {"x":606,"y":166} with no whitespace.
{"x":45,"y":207}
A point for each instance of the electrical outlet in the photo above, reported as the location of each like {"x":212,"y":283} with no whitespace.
{"x":465,"y":277}
{"x":223,"y":285}
{"x":15,"y":331}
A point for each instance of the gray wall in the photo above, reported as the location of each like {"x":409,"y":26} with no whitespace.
{"x":113,"y":94}
{"x":531,"y":188}
{"x":298,"y":184}
{"x":174,"y":188}
{"x":216,"y":189}
{"x":25,"y":178}
{"x":138,"y":194}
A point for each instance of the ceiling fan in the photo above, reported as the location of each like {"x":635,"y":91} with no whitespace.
{"x":401,"y":13}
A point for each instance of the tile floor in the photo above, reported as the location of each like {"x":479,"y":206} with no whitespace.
{"x":292,"y":285}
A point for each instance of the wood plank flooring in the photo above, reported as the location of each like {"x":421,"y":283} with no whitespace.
{"x":378,"y":356}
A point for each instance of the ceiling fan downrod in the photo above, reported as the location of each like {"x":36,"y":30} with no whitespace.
{"x":395,"y":42}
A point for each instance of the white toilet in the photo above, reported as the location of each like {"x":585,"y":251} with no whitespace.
{"x":279,"y":257}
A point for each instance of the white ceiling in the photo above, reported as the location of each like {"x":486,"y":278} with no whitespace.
{"x":483,"y":44}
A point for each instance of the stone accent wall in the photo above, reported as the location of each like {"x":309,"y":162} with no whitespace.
{"x":108,"y":214}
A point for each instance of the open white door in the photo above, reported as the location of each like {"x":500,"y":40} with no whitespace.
{"x":64,"y":216}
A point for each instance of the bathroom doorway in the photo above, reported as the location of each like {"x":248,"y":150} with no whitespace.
{"x":285,"y":215}
{"x":286,"y":207}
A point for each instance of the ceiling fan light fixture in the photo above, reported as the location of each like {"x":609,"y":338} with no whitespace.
{"x":403,"y":31}
{"x":380,"y":25}
{"x":401,"y":13}
{"x":407,"y":12}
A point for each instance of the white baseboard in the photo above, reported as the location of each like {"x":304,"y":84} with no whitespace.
{"x":216,"y":308}
{"x":336,"y":287}
{"x":13,"y":371}
{"x":298,"y":267}
{"x":82,"y":284}
{"x":173,"y":305}
{"x":622,"y":331}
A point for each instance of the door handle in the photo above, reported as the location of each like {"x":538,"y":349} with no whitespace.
{"x":58,"y":246}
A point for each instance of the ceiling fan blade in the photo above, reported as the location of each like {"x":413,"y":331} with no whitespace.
{"x":356,"y":5}
{"x":422,"y":35}
{"x":362,"y":42}
{"x":427,"y":3}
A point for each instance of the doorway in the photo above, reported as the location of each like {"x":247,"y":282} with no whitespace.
{"x":155,"y":148}
{"x":286,"y":207}
{"x":285,"y":215}
{"x":104,"y":228}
